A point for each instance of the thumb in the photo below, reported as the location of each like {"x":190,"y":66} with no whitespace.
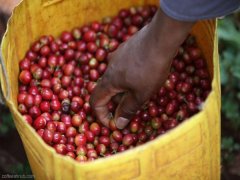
{"x":126,"y":110}
{"x":99,"y":99}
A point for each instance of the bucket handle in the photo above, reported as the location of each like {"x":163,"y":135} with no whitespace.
{"x":6,"y":79}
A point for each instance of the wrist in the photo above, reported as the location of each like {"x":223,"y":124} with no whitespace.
{"x":167,"y":34}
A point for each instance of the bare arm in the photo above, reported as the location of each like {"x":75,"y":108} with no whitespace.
{"x":139,"y":72}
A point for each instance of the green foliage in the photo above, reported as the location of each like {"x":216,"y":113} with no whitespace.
{"x":229,"y":147}
{"x":228,"y":32}
{"x":21,"y":169}
{"x":6,"y":123}
{"x":229,"y":43}
{"x":229,"y":39}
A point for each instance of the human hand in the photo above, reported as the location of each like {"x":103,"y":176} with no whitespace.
{"x":138,"y":68}
{"x":8,"y":6}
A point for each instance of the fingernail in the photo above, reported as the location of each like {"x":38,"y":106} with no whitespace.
{"x":121,"y":122}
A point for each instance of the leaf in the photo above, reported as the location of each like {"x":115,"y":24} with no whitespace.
{"x":3,"y":129}
{"x":230,"y":107}
{"x":224,"y":76}
{"x":236,"y":147}
{"x":227,"y":143}
{"x":228,"y":32}
{"x":236,"y":71}
{"x":238,"y":95}
{"x":8,"y":120}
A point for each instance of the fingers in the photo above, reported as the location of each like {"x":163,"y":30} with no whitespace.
{"x":117,"y":98}
{"x":126,"y":110}
{"x":99,"y":99}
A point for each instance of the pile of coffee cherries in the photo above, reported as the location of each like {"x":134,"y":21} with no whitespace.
{"x":58,"y":75}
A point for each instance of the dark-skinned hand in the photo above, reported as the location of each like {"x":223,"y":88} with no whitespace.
{"x":138,"y":68}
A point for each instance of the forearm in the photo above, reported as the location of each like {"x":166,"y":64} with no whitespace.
{"x":168,"y":33}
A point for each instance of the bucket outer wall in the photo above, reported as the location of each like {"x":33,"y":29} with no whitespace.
{"x":190,"y":152}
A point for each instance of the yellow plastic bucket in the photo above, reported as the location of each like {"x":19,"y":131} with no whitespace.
{"x":190,"y":151}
